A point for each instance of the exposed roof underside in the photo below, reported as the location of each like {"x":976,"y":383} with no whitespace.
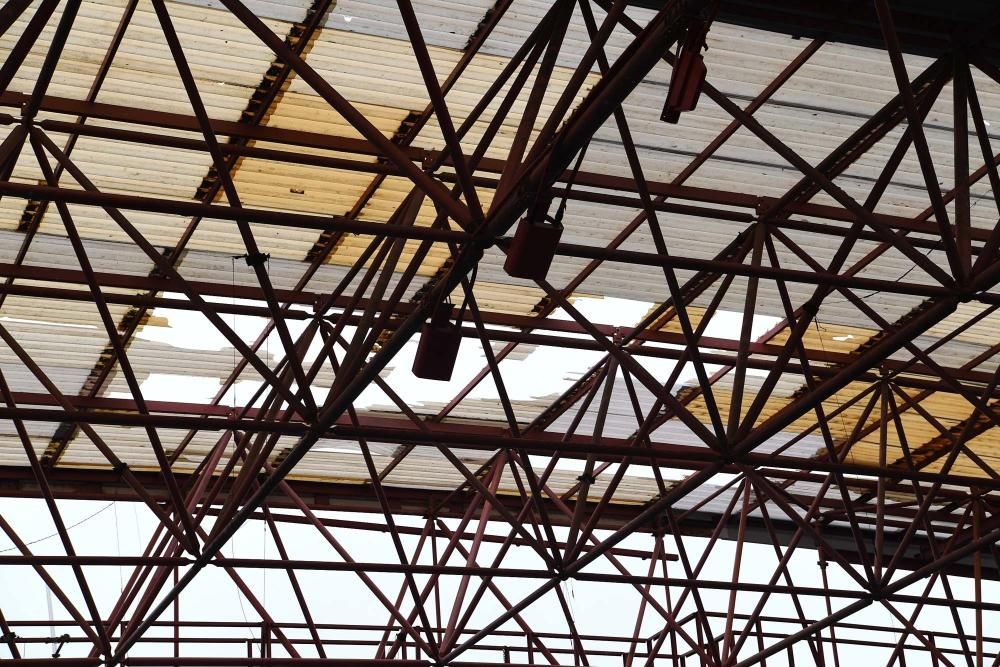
{"x":791,"y":291}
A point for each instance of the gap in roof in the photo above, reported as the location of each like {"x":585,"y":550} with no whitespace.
{"x":642,"y":470}
{"x":545,"y":372}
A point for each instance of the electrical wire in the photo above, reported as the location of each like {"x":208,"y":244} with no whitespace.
{"x":232,"y":542}
{"x":239,"y":593}
{"x":118,"y":550}
{"x":833,"y":397}
{"x":865,"y":297}
{"x":936,"y":246}
{"x":233,"y":302}
{"x":68,"y":528}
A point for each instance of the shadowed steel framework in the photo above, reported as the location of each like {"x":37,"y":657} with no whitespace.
{"x":271,"y":198}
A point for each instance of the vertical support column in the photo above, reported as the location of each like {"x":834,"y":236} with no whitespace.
{"x":177,"y":620}
{"x":977,"y":529}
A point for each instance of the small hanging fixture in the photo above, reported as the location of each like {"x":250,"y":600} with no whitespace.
{"x":437,"y":350}
{"x":440,"y":339}
{"x":535,"y":241}
{"x":537,"y":236}
{"x":688,"y":77}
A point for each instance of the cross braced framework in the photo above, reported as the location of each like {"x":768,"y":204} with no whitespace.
{"x":747,"y":416}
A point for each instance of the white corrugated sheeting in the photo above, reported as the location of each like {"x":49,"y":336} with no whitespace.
{"x":953,"y":354}
{"x":205,"y":368}
{"x":983,"y":333}
{"x":442,"y":23}
{"x":130,"y":444}
{"x":200,"y":266}
{"x":51,"y":251}
{"x":12,"y":448}
{"x":365,"y":53}
{"x":226,"y":60}
{"x":372,"y":70}
{"x":289,"y":11}
{"x":64,"y":339}
{"x":621,"y":420}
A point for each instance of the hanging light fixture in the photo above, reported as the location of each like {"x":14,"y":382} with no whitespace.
{"x":535,"y":241}
{"x":688,"y":76}
{"x":440,"y":339}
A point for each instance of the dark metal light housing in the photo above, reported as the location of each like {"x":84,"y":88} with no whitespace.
{"x":688,"y":77}
{"x":533,"y":248}
{"x":437,"y":350}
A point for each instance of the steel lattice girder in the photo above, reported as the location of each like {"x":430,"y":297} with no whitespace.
{"x":911,"y":516}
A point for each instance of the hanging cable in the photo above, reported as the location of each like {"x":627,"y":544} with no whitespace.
{"x":233,"y":303}
{"x":536,"y":239}
{"x":569,"y":184}
{"x":239,"y":594}
{"x":118,"y":549}
{"x":68,"y":528}
{"x":52,"y":624}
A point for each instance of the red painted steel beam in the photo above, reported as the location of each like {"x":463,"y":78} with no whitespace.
{"x":501,"y":572}
{"x":223,"y":212}
{"x":760,"y":360}
{"x":853,"y":369}
{"x":98,"y":485}
{"x":594,"y":110}
{"x":633,"y":258}
{"x":486,"y":438}
{"x":355,"y":146}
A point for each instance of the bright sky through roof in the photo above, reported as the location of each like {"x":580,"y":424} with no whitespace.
{"x":544,"y":372}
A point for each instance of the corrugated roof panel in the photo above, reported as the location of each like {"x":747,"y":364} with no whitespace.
{"x":953,"y":354}
{"x":12,"y":448}
{"x":301,"y":109}
{"x":282,"y":10}
{"x":265,"y":184}
{"x":365,"y":54}
{"x":182,"y":344}
{"x":197,"y":265}
{"x":426,"y":468}
{"x":372,"y":70}
{"x":65,"y":338}
{"x":198,"y":449}
{"x":483,"y":71}
{"x":723,"y":401}
{"x":982,"y":333}
{"x":442,"y":23}
{"x":131,"y":445}
{"x":56,"y":251}
{"x":635,"y":486}
{"x":843,"y":411}
{"x":143,"y":74}
{"x":499,"y":298}
{"x":839,"y":338}
{"x":226,"y":59}
{"x":381,"y":206}
{"x":280,"y":241}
